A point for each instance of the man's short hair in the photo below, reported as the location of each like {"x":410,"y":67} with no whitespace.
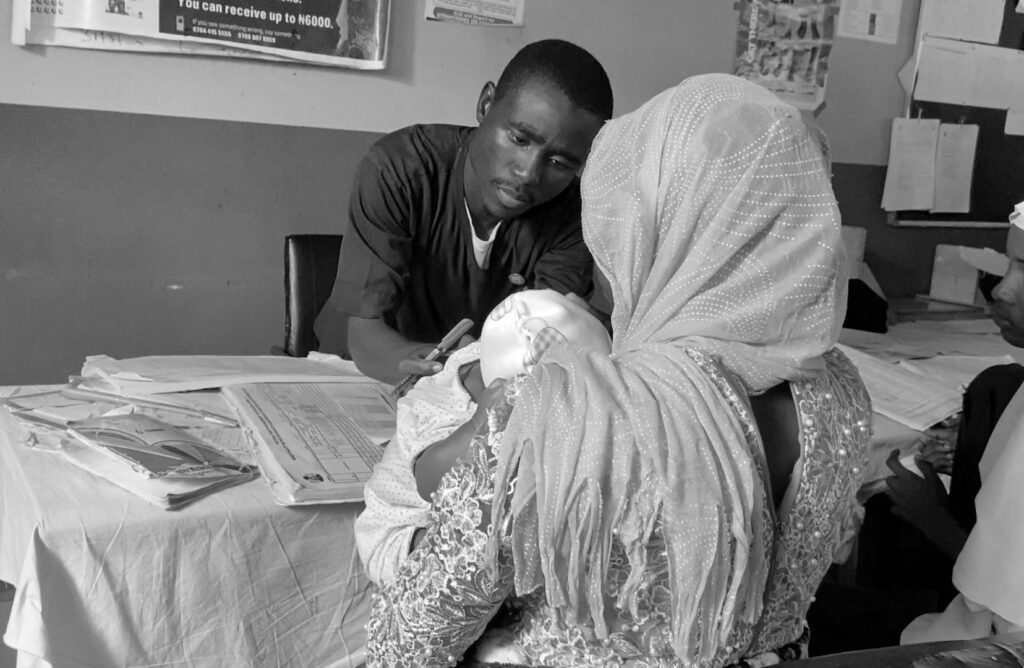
{"x":570,"y":68}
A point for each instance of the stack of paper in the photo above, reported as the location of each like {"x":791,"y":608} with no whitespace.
{"x":315,"y":442}
{"x":911,"y":398}
{"x":141,"y":376}
{"x":165,"y":464}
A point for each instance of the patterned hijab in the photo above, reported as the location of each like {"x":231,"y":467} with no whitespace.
{"x":710,"y":212}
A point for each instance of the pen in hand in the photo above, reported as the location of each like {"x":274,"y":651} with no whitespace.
{"x":447,"y":343}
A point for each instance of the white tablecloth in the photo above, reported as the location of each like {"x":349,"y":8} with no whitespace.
{"x":105,"y":579}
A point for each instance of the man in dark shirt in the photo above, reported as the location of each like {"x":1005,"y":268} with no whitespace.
{"x":446,"y":221}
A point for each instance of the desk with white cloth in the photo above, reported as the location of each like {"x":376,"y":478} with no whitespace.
{"x":104,"y":578}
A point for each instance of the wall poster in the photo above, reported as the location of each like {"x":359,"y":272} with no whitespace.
{"x":339,"y":33}
{"x":784,"y":45}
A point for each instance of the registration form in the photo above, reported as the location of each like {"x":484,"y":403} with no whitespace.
{"x":315,"y":442}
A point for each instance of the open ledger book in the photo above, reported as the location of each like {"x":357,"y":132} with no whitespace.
{"x":315,"y":442}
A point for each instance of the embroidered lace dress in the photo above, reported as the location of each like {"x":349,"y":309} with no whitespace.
{"x":445,"y":596}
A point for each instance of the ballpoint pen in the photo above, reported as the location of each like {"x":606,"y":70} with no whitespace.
{"x":446,"y":344}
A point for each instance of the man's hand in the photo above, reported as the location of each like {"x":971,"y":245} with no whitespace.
{"x":415,"y":365}
{"x":924,"y":503}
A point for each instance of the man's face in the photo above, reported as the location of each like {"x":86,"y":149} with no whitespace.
{"x":529,"y":148}
{"x":1008,"y":296}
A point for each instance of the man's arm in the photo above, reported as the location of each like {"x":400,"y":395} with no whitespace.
{"x":382,"y":353}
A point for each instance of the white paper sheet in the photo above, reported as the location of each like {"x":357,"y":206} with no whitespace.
{"x":942,"y":71}
{"x":986,"y":260}
{"x":1014,"y":123}
{"x":969,"y":20}
{"x":954,"y":167}
{"x":870,"y":20}
{"x":955,"y":370}
{"x":910,"y":177}
{"x":140,"y":376}
{"x":911,"y":398}
{"x":978,"y":75}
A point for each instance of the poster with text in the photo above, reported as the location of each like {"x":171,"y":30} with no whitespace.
{"x":490,"y":13}
{"x":784,"y":45}
{"x":341,"y":33}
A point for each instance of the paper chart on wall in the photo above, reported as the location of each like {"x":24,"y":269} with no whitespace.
{"x":910,"y":176}
{"x":870,"y":20}
{"x":786,"y":46}
{"x":954,"y":167}
{"x":967,"y":20}
{"x":978,"y":75}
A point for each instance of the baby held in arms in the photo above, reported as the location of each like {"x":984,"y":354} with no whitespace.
{"x":441,"y":411}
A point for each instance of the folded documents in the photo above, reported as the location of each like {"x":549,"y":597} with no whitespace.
{"x":315,"y":442}
{"x":180,"y":373}
{"x":911,"y":398}
{"x":165,"y":464}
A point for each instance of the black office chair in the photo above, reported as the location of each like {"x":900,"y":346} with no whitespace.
{"x":310,"y":267}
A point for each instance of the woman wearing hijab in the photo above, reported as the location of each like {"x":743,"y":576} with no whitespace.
{"x":677,"y":501}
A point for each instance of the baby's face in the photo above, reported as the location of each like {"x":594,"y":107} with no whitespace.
{"x":521,"y":328}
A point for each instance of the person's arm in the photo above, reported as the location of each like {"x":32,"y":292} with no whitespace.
{"x":437,"y":459}
{"x":373,"y":268}
{"x":382,"y":353}
{"x":441,"y":601}
{"x":924,"y":503}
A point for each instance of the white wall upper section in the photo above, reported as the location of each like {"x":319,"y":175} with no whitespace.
{"x":435,"y":72}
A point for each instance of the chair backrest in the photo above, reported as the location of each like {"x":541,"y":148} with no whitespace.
{"x":310,"y":268}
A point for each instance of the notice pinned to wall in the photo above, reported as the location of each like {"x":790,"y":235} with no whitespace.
{"x":969,"y":74}
{"x":954,"y":167}
{"x":910,"y":176}
{"x":785,"y":45}
{"x":338,"y":33}
{"x":870,"y":20}
{"x":489,"y":13}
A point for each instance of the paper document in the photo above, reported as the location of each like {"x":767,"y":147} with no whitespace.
{"x":955,"y":370}
{"x":963,"y":73}
{"x":954,"y":167}
{"x":168,"y":464}
{"x":141,"y":376}
{"x":870,"y":20}
{"x":490,"y":13}
{"x":910,"y":176}
{"x":986,"y":260}
{"x":911,"y":398}
{"x":968,"y":20}
{"x":315,"y":442}
{"x":1014,"y":123}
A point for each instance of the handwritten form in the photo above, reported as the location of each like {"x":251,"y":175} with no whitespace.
{"x":910,"y":177}
{"x":954,"y":166}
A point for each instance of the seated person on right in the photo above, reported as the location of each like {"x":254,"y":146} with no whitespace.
{"x":988,"y":543}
